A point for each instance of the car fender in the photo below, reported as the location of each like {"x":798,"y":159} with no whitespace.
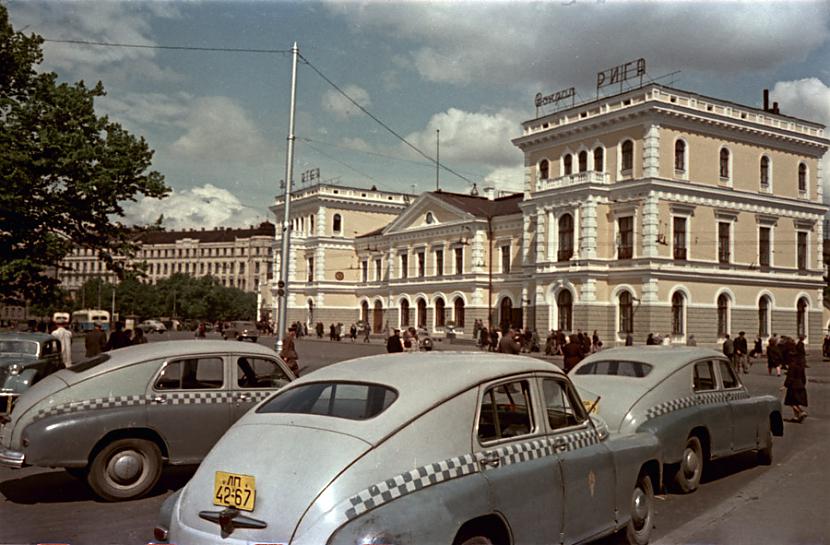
{"x":672,"y":430}
{"x":631,"y":453}
{"x":21,"y":382}
{"x":67,"y":440}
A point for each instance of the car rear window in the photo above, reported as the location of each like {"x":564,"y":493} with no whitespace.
{"x":87,"y":364}
{"x":354,"y":401}
{"x":620,"y":368}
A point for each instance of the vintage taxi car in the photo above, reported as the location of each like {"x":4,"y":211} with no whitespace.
{"x":419,"y":448}
{"x":116,"y":418}
{"x":689,"y":397}
{"x":25,"y":358}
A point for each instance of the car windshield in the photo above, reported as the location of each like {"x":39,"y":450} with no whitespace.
{"x":355,"y":401}
{"x":18,"y":347}
{"x":89,"y":363}
{"x":619,"y":368}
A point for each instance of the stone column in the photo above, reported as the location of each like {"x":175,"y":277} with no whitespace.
{"x":651,"y":221}
{"x":588,"y":229}
{"x":527,"y":221}
{"x":651,"y":152}
{"x":478,"y":262}
{"x":540,"y":236}
{"x":551,"y":224}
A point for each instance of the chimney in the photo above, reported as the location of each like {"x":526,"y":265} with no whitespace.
{"x":490,"y":193}
{"x":775,"y":109}
{"x":766,"y":100}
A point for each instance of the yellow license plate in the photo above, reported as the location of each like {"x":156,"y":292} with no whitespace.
{"x":232,"y":490}
{"x":591,"y":406}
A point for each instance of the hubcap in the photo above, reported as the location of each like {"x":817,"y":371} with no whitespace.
{"x":125,"y":467}
{"x":690,"y":462}
{"x":639,"y":507}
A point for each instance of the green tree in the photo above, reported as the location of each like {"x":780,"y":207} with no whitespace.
{"x":65,"y":173}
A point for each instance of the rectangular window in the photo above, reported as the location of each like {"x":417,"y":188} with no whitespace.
{"x":422,"y":264}
{"x":378,"y":269}
{"x":763,"y":246}
{"x":439,"y":262}
{"x":679,"y":238}
{"x":459,"y":260}
{"x":310,"y":261}
{"x":505,"y":258}
{"x":404,"y":266}
{"x":364,"y":271}
{"x":802,"y":251}
{"x":724,"y":228}
{"x":625,"y":248}
{"x":505,"y":412}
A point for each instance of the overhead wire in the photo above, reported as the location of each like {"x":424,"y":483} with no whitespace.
{"x":172,"y":47}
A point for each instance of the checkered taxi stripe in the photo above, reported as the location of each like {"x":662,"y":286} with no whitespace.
{"x":695,"y":400}
{"x":167,"y":399}
{"x":452,"y":468}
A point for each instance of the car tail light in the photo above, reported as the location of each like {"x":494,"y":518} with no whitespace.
{"x":160,"y":533}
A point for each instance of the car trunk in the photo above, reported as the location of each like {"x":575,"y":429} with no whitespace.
{"x":291,"y":465}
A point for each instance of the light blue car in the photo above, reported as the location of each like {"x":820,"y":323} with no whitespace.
{"x":25,"y":358}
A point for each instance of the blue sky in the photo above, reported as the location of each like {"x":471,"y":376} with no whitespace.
{"x":219,"y":120}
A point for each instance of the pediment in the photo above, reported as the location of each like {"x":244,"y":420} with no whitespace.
{"x":426,"y":212}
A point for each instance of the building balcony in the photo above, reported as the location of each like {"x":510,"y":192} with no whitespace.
{"x":589,"y":176}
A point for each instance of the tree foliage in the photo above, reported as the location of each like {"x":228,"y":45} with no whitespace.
{"x":180,"y":296}
{"x":65,"y":173}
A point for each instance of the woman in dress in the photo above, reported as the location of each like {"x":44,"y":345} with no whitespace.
{"x":796,"y":383}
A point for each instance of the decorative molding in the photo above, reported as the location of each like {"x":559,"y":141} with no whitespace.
{"x":651,"y":219}
{"x":651,"y":152}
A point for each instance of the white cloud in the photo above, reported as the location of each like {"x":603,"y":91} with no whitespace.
{"x":356,"y":143}
{"x":206,"y":206}
{"x":808,"y":99}
{"x":340,"y":106}
{"x":479,"y":138}
{"x":219,"y":129}
{"x":506,"y":179}
{"x":540,"y":42}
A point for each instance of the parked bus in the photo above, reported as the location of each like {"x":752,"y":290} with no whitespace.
{"x":61,"y":318}
{"x":85,"y":320}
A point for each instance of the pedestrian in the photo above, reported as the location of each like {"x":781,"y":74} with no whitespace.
{"x":484,"y":339}
{"x":650,"y":340}
{"x":320,"y":328}
{"x":65,"y":337}
{"x":394,"y":344}
{"x":729,"y":351}
{"x":773,"y":357}
{"x":117,"y":338}
{"x":494,"y":339}
{"x":289,"y":351}
{"x":629,"y":339}
{"x":741,"y":352}
{"x":366,"y":332}
{"x":825,"y":347}
{"x":95,"y":340}
{"x":353,"y":332}
{"x":691,"y":341}
{"x":796,"y":385}
{"x":510,"y":343}
{"x":201,"y":331}
{"x":758,"y":348}
{"x":666,"y":341}
{"x":572,"y":352}
{"x":138,"y":337}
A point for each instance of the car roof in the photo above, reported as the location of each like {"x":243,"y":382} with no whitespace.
{"x":162,"y":350}
{"x":445,"y":372}
{"x":665,"y":360}
{"x":25,"y":336}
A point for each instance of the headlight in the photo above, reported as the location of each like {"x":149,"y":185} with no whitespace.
{"x":15,"y":369}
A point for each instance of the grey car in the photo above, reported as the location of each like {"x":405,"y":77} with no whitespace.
{"x":115,"y":419}
{"x":689,"y":397}
{"x":413,"y":448}
{"x":25,"y":358}
{"x":241,"y":331}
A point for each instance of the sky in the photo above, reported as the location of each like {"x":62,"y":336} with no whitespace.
{"x":218,"y":120}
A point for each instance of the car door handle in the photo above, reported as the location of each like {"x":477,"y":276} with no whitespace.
{"x":159,"y":399}
{"x":243,"y":397}
{"x":490,"y":459}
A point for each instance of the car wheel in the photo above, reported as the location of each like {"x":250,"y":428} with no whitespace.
{"x":638,"y":530}
{"x":125,"y":469}
{"x":477,"y":540}
{"x":690,"y":471}
{"x":765,"y":452}
{"x":77,"y":472}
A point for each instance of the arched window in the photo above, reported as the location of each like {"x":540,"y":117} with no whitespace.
{"x":764,"y":172}
{"x":422,"y":314}
{"x":801,"y":317}
{"x":439,"y":312}
{"x":626,"y":313}
{"x":566,"y":238}
{"x":599,"y":159}
{"x":583,"y":161}
{"x":337,"y":224}
{"x":458,"y":312}
{"x":506,"y":313}
{"x":404,"y":319}
{"x":680,"y":156}
{"x":364,"y":312}
{"x":564,"y":311}
{"x":802,"y":178}
{"x":724,"y":163}
{"x":544,"y":169}
{"x":723,"y":314}
{"x":678,"y":326}
{"x":627,"y":155}
{"x":763,"y":316}
{"x":568,"y":162}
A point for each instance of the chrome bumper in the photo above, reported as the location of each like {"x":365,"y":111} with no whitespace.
{"x":11,"y":458}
